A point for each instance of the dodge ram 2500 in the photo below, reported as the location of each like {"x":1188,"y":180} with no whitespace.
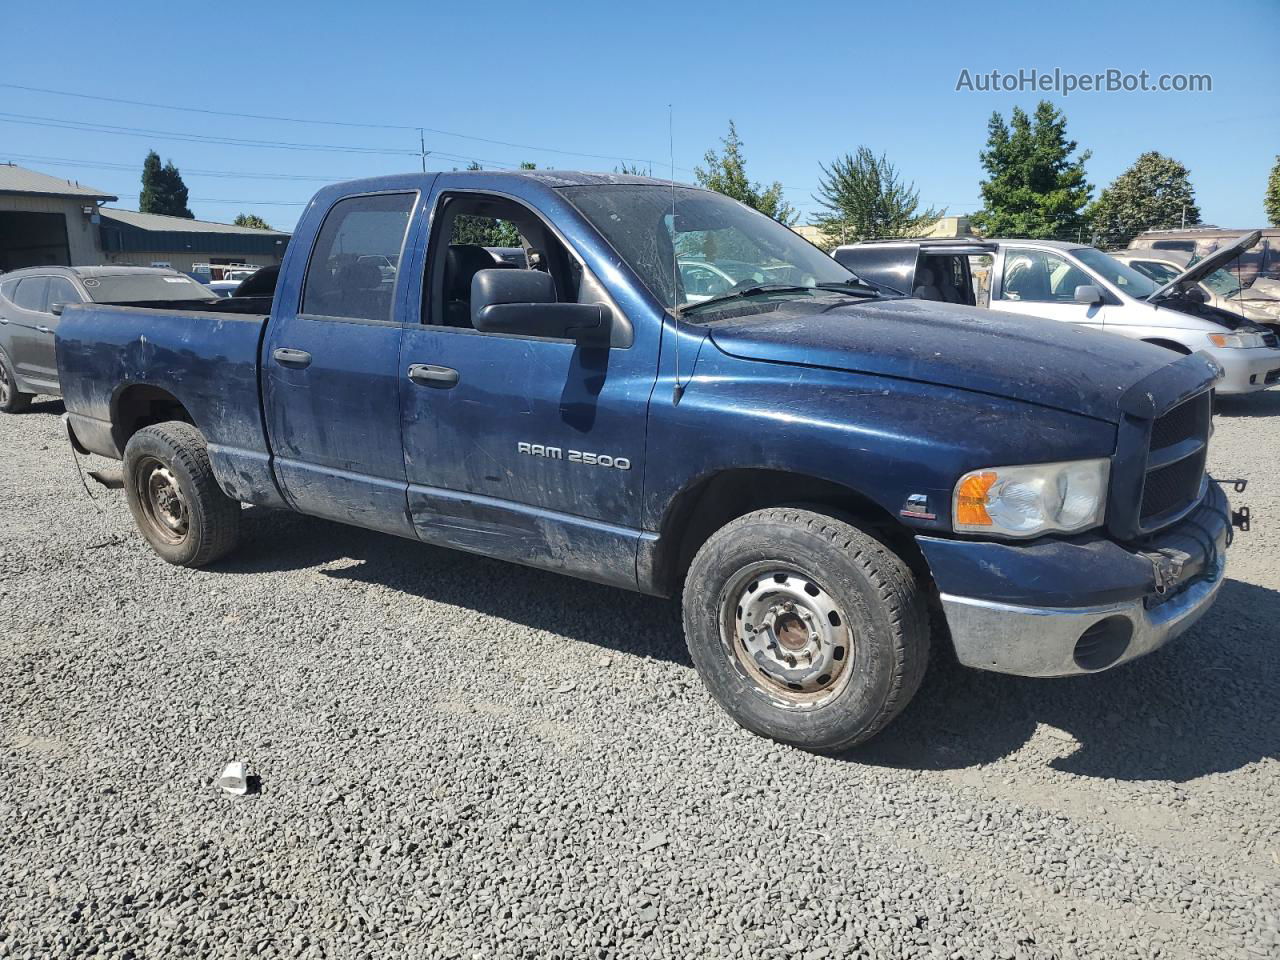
{"x":833,"y":477}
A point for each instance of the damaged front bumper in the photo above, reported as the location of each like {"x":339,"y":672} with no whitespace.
{"x":1065,"y":607}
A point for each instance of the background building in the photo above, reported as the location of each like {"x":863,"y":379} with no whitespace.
{"x":46,"y":220}
{"x":150,"y":239}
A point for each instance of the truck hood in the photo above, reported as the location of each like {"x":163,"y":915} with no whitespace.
{"x":1202,"y":268}
{"x":1021,"y":358}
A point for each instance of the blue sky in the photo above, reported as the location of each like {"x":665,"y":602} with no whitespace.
{"x":804,"y":83}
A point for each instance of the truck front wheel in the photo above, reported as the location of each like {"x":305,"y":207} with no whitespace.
{"x":804,"y":628}
{"x":175,"y":499}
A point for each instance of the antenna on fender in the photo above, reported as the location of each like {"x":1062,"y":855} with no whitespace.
{"x":677,"y":391}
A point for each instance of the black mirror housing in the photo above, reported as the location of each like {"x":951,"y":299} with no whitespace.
{"x":523,"y":303}
{"x":57,"y":308}
{"x":1088,"y":293}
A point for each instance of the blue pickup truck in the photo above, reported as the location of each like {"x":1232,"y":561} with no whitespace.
{"x":674,"y":394}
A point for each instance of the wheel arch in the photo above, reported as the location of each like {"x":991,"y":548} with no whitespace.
{"x":139,"y":405}
{"x":712,"y":501}
{"x":1173,"y":345}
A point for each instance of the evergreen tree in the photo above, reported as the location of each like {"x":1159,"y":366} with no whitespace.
{"x":1035,"y":189}
{"x":863,"y":198}
{"x":1153,"y":194}
{"x":1271,"y":202}
{"x":727,"y":173}
{"x":162,"y":189}
{"x":251,"y":220}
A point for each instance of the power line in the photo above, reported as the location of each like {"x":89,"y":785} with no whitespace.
{"x":37,"y":121}
{"x":239,"y":174}
{"x":333,"y":123}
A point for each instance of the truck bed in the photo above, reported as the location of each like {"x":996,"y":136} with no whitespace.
{"x":130,"y":365}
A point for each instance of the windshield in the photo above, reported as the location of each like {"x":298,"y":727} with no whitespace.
{"x":712,"y":245}
{"x":1221,"y":282}
{"x":1110,"y":269}
{"x":139,"y":287}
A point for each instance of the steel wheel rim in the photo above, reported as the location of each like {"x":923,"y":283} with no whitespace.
{"x":787,"y":634}
{"x":4,"y":384}
{"x":164,"y":505}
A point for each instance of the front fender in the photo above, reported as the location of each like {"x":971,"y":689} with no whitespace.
{"x":884,"y":438}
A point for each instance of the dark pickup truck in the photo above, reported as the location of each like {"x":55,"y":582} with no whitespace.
{"x":834,"y":477}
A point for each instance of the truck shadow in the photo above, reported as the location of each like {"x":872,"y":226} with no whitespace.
{"x":590,"y":612}
{"x":49,"y":405}
{"x":1204,"y":704}
{"x":1262,"y":404}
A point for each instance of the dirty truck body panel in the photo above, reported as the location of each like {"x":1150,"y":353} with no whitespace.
{"x":597,"y":458}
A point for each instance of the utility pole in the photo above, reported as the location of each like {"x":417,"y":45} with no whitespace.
{"x":1184,"y":216}
{"x":422,"y":149}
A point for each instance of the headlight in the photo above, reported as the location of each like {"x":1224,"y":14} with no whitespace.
{"x":1241,"y":340}
{"x":1026,"y":501}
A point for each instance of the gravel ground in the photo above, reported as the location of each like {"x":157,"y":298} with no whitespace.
{"x":464,"y":758}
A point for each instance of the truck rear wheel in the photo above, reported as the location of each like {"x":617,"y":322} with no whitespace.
{"x":175,"y":499}
{"x":11,"y":400}
{"x":804,"y":628}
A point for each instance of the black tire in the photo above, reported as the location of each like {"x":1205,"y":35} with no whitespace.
{"x":175,"y":500}
{"x":11,"y":401}
{"x":871,"y":591}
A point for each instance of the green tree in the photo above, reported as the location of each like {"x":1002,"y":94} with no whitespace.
{"x":1153,"y":194}
{"x":633,"y":169}
{"x":1271,"y":202}
{"x":162,"y":189}
{"x":863,"y":198}
{"x":486,"y":231}
{"x":727,"y":173}
{"x":251,"y":220}
{"x":1034,"y":189}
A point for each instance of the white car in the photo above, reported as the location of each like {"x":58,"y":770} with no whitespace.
{"x":1077,"y":284}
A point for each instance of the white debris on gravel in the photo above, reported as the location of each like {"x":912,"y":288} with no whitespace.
{"x":453,"y":773}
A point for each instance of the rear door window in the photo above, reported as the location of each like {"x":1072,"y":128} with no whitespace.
{"x":32,"y":293}
{"x":353,"y":264}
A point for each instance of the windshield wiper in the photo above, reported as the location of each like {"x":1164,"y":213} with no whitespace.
{"x":850,"y":289}
{"x":752,"y":291}
{"x":856,"y":288}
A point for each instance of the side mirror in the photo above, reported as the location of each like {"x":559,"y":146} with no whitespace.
{"x":1193,"y":292}
{"x":57,"y":308}
{"x":1088,"y":294}
{"x":523,"y":302}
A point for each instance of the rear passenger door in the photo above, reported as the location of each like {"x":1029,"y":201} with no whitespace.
{"x":330,"y":369}
{"x":31,"y":334}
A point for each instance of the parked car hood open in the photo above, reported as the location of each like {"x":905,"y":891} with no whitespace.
{"x":1043,"y":362}
{"x":1202,"y":268}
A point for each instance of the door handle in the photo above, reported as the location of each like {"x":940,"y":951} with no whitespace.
{"x":291,"y":358}
{"x":429,"y":375}
{"x":43,"y":329}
